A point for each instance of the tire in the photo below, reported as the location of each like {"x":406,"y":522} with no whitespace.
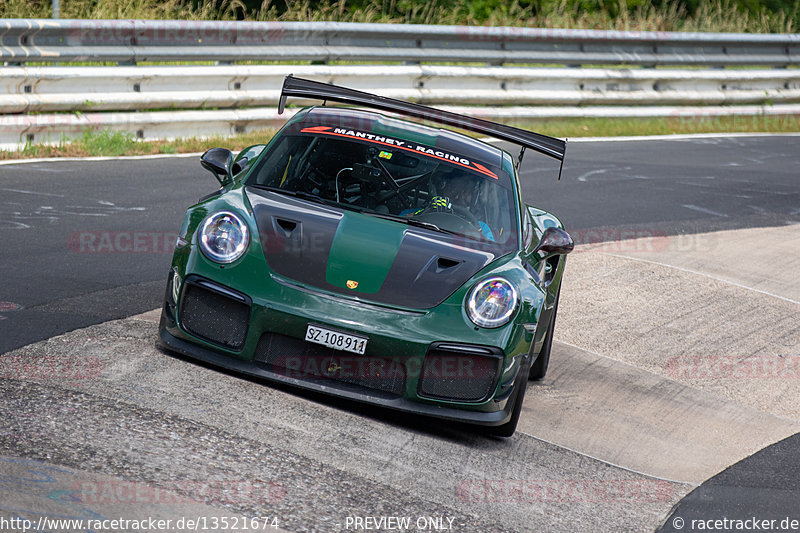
{"x":508,"y":429}
{"x":539,"y":367}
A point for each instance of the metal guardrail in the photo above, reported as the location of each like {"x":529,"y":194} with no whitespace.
{"x":134,"y":41}
{"x":227,"y":98}
{"x":44,"y":89}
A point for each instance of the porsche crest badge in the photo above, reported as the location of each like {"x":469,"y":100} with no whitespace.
{"x":351,"y":284}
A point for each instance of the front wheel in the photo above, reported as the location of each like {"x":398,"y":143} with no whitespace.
{"x":539,"y":367}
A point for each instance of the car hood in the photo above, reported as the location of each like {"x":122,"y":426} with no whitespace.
{"x":360,"y":255}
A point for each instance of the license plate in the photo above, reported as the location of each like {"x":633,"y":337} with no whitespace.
{"x":336,"y":340}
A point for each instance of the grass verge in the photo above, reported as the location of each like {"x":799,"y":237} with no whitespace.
{"x":107,"y":143}
{"x":621,"y":127}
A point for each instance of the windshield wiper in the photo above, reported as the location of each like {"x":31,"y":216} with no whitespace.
{"x":410,"y":222}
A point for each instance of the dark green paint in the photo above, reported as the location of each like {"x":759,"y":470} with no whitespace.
{"x":363,"y":251}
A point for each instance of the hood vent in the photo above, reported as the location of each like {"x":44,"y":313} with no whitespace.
{"x":402,"y":266}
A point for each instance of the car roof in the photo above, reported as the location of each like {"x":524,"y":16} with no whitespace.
{"x":370,"y":121}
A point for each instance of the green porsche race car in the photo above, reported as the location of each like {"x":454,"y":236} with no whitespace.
{"x":373,"y":258}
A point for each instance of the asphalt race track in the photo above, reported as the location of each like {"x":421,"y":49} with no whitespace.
{"x":687,"y":255}
{"x":60,"y":277}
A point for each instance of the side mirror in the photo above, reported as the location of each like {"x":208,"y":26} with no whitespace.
{"x":218,"y":162}
{"x":555,"y":241}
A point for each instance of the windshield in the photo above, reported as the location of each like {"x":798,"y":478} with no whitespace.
{"x":387,"y":177}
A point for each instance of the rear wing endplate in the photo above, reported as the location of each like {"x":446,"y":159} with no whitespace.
{"x":549,"y":146}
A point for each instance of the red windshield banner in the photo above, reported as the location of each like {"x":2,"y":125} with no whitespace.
{"x":408,"y":146}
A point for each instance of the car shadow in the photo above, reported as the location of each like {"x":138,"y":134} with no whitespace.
{"x":443,"y":430}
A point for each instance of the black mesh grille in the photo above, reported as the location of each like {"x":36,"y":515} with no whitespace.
{"x":304,"y":360}
{"x":453,"y":375}
{"x":214,"y":317}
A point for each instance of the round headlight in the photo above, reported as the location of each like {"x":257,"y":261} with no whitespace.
{"x":224,"y":237}
{"x":492,"y":302}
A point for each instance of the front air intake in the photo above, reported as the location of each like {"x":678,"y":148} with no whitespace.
{"x":461,"y":373}
{"x":215,"y":313}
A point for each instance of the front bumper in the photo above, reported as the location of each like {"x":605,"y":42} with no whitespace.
{"x":334,"y":388}
{"x":266,"y":318}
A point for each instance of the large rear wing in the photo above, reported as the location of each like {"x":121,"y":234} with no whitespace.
{"x":549,"y":146}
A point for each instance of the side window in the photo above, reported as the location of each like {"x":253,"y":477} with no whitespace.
{"x":275,"y":164}
{"x":246,"y":157}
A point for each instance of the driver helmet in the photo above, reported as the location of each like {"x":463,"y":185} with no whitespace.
{"x":459,"y":187}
